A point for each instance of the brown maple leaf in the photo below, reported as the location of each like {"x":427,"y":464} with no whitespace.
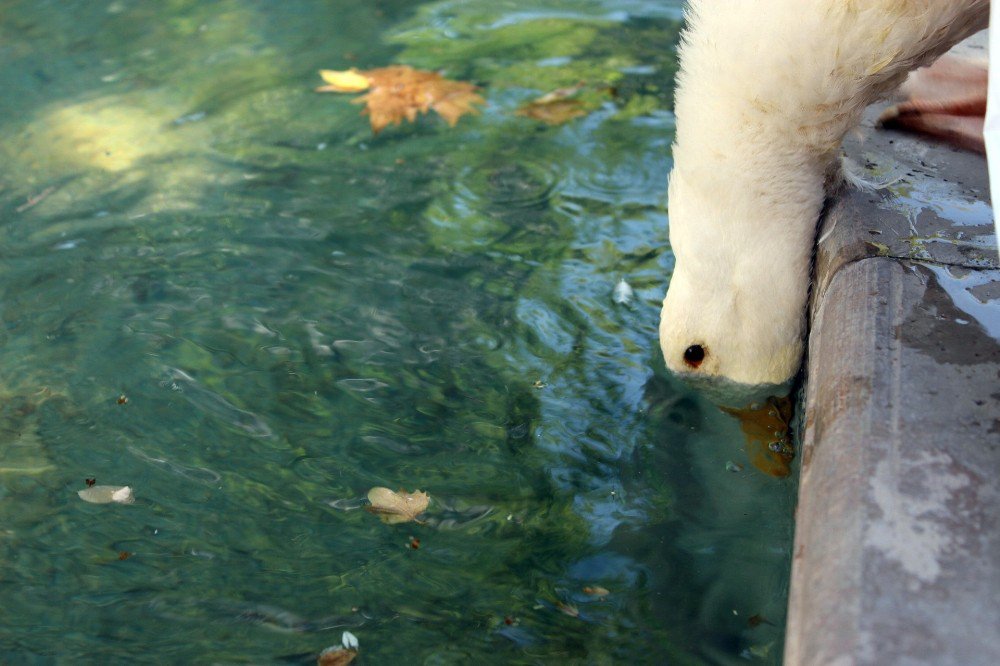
{"x":400,"y":92}
{"x":393,"y":507}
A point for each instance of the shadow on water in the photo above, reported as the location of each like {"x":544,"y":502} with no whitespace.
{"x":220,"y":289}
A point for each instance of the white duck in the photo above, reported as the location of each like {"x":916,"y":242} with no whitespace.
{"x":765,"y":93}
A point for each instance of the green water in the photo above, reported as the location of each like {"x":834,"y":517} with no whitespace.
{"x":298,"y":311}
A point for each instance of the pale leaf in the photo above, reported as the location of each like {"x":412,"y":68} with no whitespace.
{"x":393,"y":507}
{"x":107,"y":495}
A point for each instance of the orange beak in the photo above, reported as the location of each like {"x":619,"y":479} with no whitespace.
{"x":768,"y":440}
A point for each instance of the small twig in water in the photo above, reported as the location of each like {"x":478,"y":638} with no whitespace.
{"x":37,"y":199}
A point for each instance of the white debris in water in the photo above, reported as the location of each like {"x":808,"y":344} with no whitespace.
{"x":107,"y":495}
{"x":349,"y":640}
{"x":623,"y":292}
{"x":123,"y":495}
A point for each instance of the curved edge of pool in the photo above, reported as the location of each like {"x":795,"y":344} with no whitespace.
{"x":897,"y":547}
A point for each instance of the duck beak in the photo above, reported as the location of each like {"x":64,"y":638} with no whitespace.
{"x":767,"y":432}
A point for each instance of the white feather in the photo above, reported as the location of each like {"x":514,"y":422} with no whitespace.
{"x":623,"y":292}
{"x":349,"y":640}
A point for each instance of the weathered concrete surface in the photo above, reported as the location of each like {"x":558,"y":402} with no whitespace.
{"x":897,"y":547}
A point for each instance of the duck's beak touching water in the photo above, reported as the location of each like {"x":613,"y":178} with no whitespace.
{"x":764,"y":412}
{"x":742,"y":356}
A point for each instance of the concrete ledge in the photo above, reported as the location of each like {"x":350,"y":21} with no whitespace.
{"x":897,"y":547}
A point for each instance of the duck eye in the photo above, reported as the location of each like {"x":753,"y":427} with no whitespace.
{"x":694,"y":355}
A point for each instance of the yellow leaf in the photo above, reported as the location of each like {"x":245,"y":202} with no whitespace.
{"x":393,"y":507}
{"x":343,"y":81}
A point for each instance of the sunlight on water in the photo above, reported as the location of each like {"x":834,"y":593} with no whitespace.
{"x":220,"y":289}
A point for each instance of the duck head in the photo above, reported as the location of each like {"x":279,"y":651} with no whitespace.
{"x":730,"y":344}
{"x":733,"y":320}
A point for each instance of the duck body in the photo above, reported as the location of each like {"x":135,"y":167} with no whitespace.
{"x":765,"y":93}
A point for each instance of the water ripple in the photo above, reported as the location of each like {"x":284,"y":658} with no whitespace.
{"x":635,"y":181}
{"x":361,"y":384}
{"x":214,"y":404}
{"x":200,"y":474}
{"x":507,"y":186}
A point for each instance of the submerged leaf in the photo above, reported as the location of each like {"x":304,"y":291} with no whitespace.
{"x":393,"y":507}
{"x":107,"y":494}
{"x":556,"y":107}
{"x":400,"y":92}
{"x":755,"y":621}
{"x":555,"y":112}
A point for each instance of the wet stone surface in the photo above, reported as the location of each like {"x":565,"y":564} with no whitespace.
{"x":896,"y":550}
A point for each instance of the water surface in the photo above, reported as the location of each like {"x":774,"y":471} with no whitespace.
{"x":296,"y":311}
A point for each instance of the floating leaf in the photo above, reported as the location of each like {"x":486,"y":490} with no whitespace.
{"x":107,"y":494}
{"x":393,"y":507}
{"x":400,"y":92}
{"x":346,"y":81}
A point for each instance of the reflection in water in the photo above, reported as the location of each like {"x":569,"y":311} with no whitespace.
{"x":768,"y":433}
{"x":300,"y":311}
